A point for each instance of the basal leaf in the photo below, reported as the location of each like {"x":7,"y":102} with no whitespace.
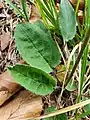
{"x":36,"y":46}
{"x":67,"y":20}
{"x":33,"y":79}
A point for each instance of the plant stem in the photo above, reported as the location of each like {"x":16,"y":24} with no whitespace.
{"x":86,"y":38}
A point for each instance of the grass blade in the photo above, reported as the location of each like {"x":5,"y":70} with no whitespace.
{"x":83,"y":67}
{"x":24,"y":7}
{"x":88,"y":12}
{"x":45,"y":13}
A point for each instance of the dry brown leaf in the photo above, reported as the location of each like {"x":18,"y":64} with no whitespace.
{"x":25,"y":105}
{"x":4,"y":38}
{"x":7,"y":87}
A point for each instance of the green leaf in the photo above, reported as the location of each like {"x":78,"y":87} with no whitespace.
{"x":36,"y":46}
{"x":67,"y":20}
{"x":33,"y":79}
{"x":71,"y":86}
{"x":58,"y":117}
{"x":87,"y":107}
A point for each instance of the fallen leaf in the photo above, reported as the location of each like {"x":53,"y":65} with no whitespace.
{"x":8,"y":87}
{"x":4,"y":38}
{"x":25,"y":105}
